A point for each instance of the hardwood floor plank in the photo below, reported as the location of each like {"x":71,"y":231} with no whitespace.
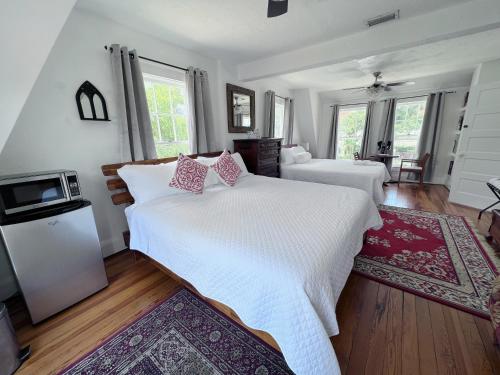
{"x":360,"y":344}
{"x":442,"y":345}
{"x":492,"y":350}
{"x":393,"y":344}
{"x":348,"y":315}
{"x":474,"y":343}
{"x":378,"y":333}
{"x":426,"y":348}
{"x":409,"y":347}
{"x":457,"y":340}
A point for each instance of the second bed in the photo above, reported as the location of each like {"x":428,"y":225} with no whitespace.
{"x":365,"y":175}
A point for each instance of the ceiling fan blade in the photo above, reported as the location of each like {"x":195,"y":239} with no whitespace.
{"x":356,"y":88}
{"x":402,"y":83}
{"x":276,"y":8}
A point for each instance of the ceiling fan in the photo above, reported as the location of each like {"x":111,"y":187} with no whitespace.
{"x":276,"y":8}
{"x":379,"y":86}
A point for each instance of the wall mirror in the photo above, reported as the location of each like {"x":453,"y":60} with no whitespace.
{"x":240,"y":109}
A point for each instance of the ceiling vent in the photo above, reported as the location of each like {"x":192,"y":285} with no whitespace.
{"x":383,"y":18}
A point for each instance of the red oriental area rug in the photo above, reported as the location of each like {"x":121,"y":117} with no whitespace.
{"x":436,"y":256}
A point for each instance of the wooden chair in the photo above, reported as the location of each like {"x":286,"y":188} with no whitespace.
{"x":416,"y":166}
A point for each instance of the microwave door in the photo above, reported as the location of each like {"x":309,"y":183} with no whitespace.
{"x":27,"y":193}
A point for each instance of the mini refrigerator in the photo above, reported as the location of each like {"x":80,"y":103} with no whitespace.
{"x":56,"y":256}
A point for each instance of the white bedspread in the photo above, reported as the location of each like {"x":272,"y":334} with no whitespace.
{"x":368,"y":177}
{"x":278,"y":252}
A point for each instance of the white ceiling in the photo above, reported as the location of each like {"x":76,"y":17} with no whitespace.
{"x":436,"y":59}
{"x":239,"y":31}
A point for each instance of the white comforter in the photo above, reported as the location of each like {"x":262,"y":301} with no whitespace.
{"x":276,"y":251}
{"x":368,"y":176}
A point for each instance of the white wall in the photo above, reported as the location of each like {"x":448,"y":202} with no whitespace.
{"x":307,"y":115}
{"x":28,"y":29}
{"x":451,"y":113}
{"x":49,"y":134}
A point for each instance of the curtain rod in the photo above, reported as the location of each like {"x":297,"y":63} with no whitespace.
{"x":347,"y":105}
{"x":152,"y":60}
{"x":407,"y":97}
{"x":421,"y":96}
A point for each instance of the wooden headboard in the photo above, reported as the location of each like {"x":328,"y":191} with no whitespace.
{"x":115,"y":183}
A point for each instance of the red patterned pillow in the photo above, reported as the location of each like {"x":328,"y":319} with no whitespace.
{"x":189,"y":175}
{"x":227,"y":169}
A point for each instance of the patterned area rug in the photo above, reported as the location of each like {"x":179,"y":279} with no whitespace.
{"x":433,"y":255}
{"x":182,"y":335}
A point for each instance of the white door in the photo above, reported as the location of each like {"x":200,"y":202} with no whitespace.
{"x":478,"y":155}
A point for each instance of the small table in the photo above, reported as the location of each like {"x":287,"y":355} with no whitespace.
{"x":385,"y":157}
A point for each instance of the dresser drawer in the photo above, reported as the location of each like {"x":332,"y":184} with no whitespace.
{"x":270,"y":145}
{"x":270,"y":153}
{"x":270,"y":171}
{"x":269,"y":162}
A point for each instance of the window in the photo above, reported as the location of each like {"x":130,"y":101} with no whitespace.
{"x":351,"y":125}
{"x":167,"y":102}
{"x":407,"y":127}
{"x":279,"y":116}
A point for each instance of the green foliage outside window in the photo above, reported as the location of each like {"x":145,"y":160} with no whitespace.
{"x":351,"y":126}
{"x":407,"y":127}
{"x":167,"y":110}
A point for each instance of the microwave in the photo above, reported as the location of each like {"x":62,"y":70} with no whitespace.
{"x":30,"y":191}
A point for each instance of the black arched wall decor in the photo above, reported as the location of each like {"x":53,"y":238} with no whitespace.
{"x":89,"y":91}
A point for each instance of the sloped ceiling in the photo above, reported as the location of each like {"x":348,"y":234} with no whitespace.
{"x":29,"y":29}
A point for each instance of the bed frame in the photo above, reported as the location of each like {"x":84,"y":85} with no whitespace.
{"x":120,"y":195}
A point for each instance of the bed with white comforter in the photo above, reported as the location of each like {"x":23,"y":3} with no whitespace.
{"x":276,"y":251}
{"x":365,"y":175}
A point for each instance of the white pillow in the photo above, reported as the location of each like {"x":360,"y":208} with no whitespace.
{"x":302,"y":157}
{"x":147,"y":182}
{"x":239,"y":160}
{"x":298,"y":150}
{"x":286,"y":156}
{"x":212,"y":178}
{"x":236,"y":157}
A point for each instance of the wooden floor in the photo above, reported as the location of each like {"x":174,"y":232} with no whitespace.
{"x":383,"y":330}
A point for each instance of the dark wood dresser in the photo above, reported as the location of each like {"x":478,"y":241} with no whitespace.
{"x":261,"y":156}
{"x":495,"y":226}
